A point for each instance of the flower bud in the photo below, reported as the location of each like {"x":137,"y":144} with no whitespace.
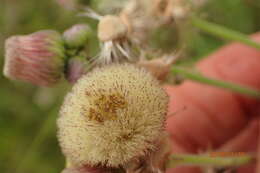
{"x":77,"y":67}
{"x":37,"y":58}
{"x":77,"y":35}
{"x":112,"y":116}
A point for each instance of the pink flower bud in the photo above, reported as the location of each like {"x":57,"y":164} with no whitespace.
{"x":37,"y":58}
{"x":77,"y":67}
{"x":77,"y":35}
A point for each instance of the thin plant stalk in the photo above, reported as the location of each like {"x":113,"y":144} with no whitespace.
{"x":223,"y":32}
{"x":208,"y":160}
{"x":217,"y":83}
{"x":43,"y":133}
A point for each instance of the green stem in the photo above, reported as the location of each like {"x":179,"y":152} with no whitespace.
{"x":223,"y":32}
{"x":43,"y":133}
{"x":208,"y":160}
{"x":217,"y":83}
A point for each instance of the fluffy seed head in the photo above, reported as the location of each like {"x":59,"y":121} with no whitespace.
{"x":37,"y":58}
{"x":113,"y":115}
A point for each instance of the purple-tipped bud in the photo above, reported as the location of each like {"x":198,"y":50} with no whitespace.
{"x":37,"y":58}
{"x":77,"y":67}
{"x":77,"y":35}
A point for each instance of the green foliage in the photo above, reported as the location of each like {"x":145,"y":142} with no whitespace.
{"x":230,"y":12}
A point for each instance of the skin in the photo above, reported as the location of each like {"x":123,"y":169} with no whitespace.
{"x":211,"y":118}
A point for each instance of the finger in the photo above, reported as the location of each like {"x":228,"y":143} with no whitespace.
{"x":211,"y":116}
{"x":246,"y":141}
{"x":258,"y":151}
{"x":235,"y":63}
{"x":214,"y":115}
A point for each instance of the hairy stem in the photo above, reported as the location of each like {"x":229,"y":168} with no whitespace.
{"x":223,"y":32}
{"x":208,"y":160}
{"x":214,"y":82}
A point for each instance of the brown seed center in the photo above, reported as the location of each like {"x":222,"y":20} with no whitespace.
{"x":105,"y":107}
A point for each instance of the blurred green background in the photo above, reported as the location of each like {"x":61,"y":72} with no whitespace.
{"x":28,"y":141}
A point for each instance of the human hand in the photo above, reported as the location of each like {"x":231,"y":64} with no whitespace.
{"x":213,"y":119}
{"x":216,"y":119}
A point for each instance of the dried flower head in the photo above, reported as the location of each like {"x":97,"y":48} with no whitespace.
{"x":144,"y":16}
{"x":77,"y":35}
{"x":113,"y":115}
{"x":37,"y":58}
{"x":111,"y":28}
{"x":178,"y":9}
{"x":159,"y":67}
{"x":115,"y":46}
{"x":141,"y":17}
